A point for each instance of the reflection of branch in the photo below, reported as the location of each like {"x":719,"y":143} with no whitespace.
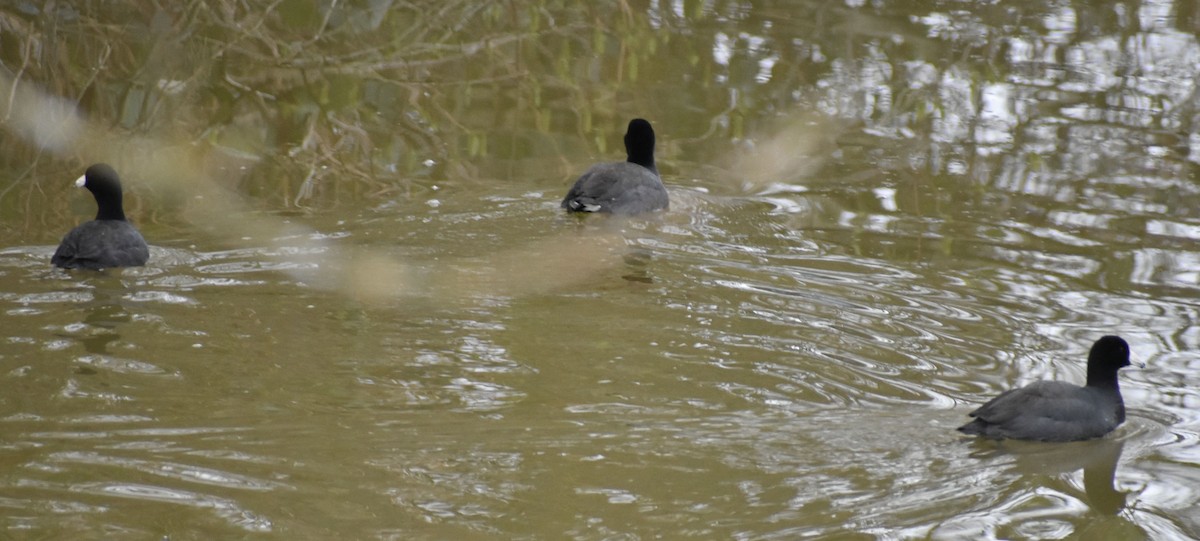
{"x":714,"y":123}
{"x":346,"y":64}
{"x":324,"y":22}
{"x":17,"y":78}
{"x":244,"y":30}
{"x":306,"y":187}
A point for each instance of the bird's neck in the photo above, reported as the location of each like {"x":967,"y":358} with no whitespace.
{"x":111,"y":211}
{"x":1103,"y":380}
{"x":643,"y":159}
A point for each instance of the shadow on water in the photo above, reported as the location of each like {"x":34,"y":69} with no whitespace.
{"x":1097,"y":458}
{"x":107,"y":318}
{"x":104,"y":318}
{"x":106,"y":311}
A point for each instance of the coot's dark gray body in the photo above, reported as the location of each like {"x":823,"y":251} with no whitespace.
{"x":1057,"y":411}
{"x":109,"y":240}
{"x":629,"y":187}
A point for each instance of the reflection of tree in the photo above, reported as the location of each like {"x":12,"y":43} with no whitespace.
{"x":1033,"y":101}
{"x":379,"y":89}
{"x":1027,"y":100}
{"x":367,"y":89}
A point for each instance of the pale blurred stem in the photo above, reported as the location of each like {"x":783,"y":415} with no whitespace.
{"x":12,"y":95}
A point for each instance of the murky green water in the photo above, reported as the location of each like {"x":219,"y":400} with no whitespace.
{"x":365,"y":316}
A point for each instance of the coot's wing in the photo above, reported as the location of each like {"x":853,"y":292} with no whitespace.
{"x":102,"y":244}
{"x":66,"y":255}
{"x":1048,"y":411}
{"x":621,"y":187}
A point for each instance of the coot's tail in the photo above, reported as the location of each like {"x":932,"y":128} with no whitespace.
{"x":975,"y":428}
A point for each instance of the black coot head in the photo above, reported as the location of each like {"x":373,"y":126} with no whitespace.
{"x":1109,"y":353}
{"x":639,"y":143}
{"x":102,"y":180}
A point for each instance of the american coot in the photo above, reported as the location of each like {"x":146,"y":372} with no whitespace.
{"x":109,"y":240}
{"x":1057,"y":411}
{"x":628,"y":187}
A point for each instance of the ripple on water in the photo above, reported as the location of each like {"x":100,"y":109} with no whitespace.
{"x":225,"y":508}
{"x":74,"y":296}
{"x":846,"y":331}
{"x":126,"y":457}
{"x":165,"y":297}
{"x":432,"y":486}
{"x":171,"y":470}
{"x":124,"y":366}
{"x":256,"y":266}
{"x":187,"y":282}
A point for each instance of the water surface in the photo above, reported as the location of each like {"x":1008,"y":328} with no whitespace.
{"x":365,"y":315}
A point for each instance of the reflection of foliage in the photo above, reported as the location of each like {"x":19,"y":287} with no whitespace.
{"x":368,"y":90}
{"x":375,"y":90}
{"x":333,"y":95}
{"x":314,"y":90}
